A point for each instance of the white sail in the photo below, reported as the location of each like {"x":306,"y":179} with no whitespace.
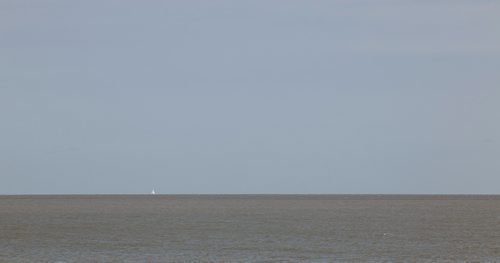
{"x":153,"y":192}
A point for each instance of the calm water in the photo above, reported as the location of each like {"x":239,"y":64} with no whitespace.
{"x":249,"y":228}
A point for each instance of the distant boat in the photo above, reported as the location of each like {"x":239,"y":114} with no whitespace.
{"x":153,"y":192}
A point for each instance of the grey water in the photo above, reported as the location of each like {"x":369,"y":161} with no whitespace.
{"x":250,"y":228}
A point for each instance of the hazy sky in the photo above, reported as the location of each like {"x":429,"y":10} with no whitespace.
{"x":260,"y":96}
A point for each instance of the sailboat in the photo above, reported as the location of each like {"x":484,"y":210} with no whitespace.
{"x":153,"y":192}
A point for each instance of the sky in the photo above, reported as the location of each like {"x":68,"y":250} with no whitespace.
{"x":249,"y":97}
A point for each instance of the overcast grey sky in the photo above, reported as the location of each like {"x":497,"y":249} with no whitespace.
{"x":259,"y":96}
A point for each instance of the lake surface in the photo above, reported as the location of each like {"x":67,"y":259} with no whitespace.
{"x":249,"y":228}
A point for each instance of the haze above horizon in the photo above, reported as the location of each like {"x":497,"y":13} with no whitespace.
{"x":214,"y":97}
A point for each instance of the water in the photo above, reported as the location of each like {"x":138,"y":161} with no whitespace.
{"x":258,"y":228}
